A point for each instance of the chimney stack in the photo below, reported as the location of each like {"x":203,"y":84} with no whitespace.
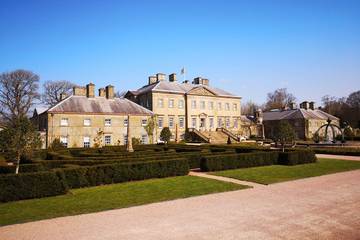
{"x":197,"y":80}
{"x":312,"y":105}
{"x":205,"y":81}
{"x":292,"y":105}
{"x":160,"y":77}
{"x":90,"y":90}
{"x":79,"y":91}
{"x":109,"y":92}
{"x":172,"y":77}
{"x":102,"y":92}
{"x":63,"y":96}
{"x":152,"y":79}
{"x":304,"y":105}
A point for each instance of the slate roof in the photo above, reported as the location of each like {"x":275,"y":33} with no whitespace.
{"x":98,"y":105}
{"x":176,"y":87}
{"x":299,"y":113}
{"x":39,"y":110}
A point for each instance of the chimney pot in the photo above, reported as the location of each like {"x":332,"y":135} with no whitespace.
{"x":304,"y":105}
{"x":312,"y":105}
{"x":109,"y":92}
{"x":172,"y":77}
{"x":152,"y":79}
{"x":90,"y":90}
{"x":79,"y":91}
{"x":197,"y":80}
{"x":292,"y":105}
{"x":102,"y":92}
{"x":160,"y":77}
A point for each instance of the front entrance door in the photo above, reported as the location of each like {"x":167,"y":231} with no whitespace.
{"x":202,"y":124}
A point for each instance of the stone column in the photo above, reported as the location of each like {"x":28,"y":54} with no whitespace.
{"x":129,"y":147}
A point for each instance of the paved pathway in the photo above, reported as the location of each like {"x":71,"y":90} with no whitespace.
{"x":340,"y":157}
{"x":226,"y":179}
{"x":326,"y":207}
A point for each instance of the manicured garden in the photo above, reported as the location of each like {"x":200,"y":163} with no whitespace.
{"x":51,"y":173}
{"x":94,"y":199}
{"x":281,"y":173}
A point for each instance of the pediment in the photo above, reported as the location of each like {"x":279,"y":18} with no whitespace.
{"x":201,"y":91}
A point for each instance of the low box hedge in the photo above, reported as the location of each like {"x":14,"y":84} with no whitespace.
{"x":254,"y":159}
{"x":233,"y":161}
{"x":338,"y":151}
{"x":115,"y":173}
{"x":15,"y":187}
{"x":24,"y":168}
{"x":296,"y":157}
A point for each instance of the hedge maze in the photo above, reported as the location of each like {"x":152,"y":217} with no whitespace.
{"x":53,"y":173}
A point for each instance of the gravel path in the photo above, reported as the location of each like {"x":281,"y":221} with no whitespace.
{"x":226,"y":179}
{"x":326,"y":207}
{"x":340,"y":157}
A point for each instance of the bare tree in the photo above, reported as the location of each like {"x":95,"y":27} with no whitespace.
{"x":53,"y":89}
{"x":279,"y":99}
{"x":18,"y":92}
{"x":354,"y":100}
{"x":249,"y":108}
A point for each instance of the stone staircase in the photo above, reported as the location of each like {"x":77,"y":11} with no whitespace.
{"x":216,"y":137}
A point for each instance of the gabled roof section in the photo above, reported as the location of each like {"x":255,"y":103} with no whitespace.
{"x":98,"y":105}
{"x":297,"y":114}
{"x":201,"y":90}
{"x":39,"y":110}
{"x":180,"y":88}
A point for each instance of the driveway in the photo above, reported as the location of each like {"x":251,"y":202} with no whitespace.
{"x":339,"y":157}
{"x":326,"y":207}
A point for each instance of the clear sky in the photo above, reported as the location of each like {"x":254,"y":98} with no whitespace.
{"x":247,"y":47}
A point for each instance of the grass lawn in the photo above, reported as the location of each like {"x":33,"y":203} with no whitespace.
{"x":94,"y":199}
{"x":279,"y":173}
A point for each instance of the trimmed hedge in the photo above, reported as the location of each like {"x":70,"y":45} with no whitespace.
{"x":24,"y":168}
{"x":116,"y":173}
{"x":338,"y":151}
{"x":15,"y":187}
{"x":232,"y":161}
{"x":296,"y":157}
{"x":255,"y":159}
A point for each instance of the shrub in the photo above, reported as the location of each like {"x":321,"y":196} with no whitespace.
{"x":165,"y":134}
{"x":123,"y":172}
{"x":338,"y":151}
{"x":56,"y":145}
{"x":20,"y":186}
{"x":232,"y":161}
{"x":296,"y":157}
{"x":24,"y":168}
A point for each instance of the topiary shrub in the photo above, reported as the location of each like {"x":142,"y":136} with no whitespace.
{"x":165,"y":134}
{"x":20,"y":186}
{"x":233,"y":161}
{"x":296,"y":157}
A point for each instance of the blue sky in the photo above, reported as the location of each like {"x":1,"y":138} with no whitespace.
{"x":247,"y":47}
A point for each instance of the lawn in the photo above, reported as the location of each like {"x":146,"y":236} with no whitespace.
{"x":94,"y":199}
{"x":280,"y":173}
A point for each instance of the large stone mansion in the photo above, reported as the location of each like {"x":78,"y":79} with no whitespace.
{"x":209,"y":114}
{"x":85,"y":120}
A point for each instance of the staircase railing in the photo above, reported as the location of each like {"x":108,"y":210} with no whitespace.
{"x":200,"y":134}
{"x":230,"y":134}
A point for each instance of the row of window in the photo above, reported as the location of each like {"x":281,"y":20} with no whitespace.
{"x":194,"y":124}
{"x":107,"y":122}
{"x":107,"y":140}
{"x":220,"y":122}
{"x":202,"y":104}
{"x":171,"y":122}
